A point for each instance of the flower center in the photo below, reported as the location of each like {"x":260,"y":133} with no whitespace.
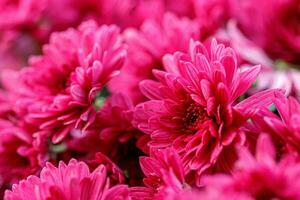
{"x":195,"y":116}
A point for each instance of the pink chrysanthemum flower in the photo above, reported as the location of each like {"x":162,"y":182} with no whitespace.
{"x":72,"y":181}
{"x":146,"y":48}
{"x":193,"y":107}
{"x":66,"y":79}
{"x":164,"y":174}
{"x":262,"y":176}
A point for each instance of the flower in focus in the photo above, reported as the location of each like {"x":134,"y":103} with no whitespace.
{"x":136,"y":100}
{"x":193,"y":108}
{"x":74,"y":68}
{"x":263,"y":177}
{"x":66,"y":182}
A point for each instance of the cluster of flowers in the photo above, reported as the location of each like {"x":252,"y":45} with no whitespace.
{"x":149,"y":99}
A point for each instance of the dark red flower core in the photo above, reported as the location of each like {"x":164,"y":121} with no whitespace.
{"x":195,"y":116}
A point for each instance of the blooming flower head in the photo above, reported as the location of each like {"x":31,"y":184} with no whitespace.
{"x":74,"y":68}
{"x":276,"y":27}
{"x":146,"y":48}
{"x":66,"y":182}
{"x":193,"y":107}
{"x":262,"y":176}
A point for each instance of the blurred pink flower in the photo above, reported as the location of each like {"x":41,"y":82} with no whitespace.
{"x":20,"y":153}
{"x":146,"y":48}
{"x":211,"y":15}
{"x":275,"y":27}
{"x":18,"y":31}
{"x":112,"y":134}
{"x":286,"y":127}
{"x":18,"y":157}
{"x":193,"y":107}
{"x":74,"y":68}
{"x":262,"y":176}
{"x":72,"y":181}
{"x":19,"y":13}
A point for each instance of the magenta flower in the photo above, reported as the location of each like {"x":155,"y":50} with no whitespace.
{"x":112,"y":134}
{"x":276,"y":27}
{"x":18,"y":157}
{"x":164,"y":174}
{"x":114,"y":119}
{"x":19,"y":33}
{"x":19,"y":13}
{"x":136,"y":100}
{"x":115,"y":174}
{"x":146,"y":48}
{"x":72,"y":181}
{"x":263,"y":177}
{"x":193,"y":107}
{"x":74,"y":69}
{"x":210,"y":15}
